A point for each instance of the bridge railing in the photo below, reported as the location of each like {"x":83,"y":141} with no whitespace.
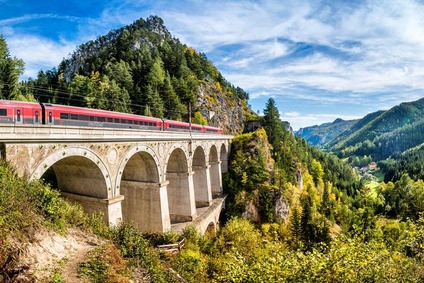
{"x":73,"y":133}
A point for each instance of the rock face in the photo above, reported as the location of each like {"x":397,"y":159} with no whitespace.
{"x":251,"y":212}
{"x":299,"y":178}
{"x":281,"y":210}
{"x":220,"y":110}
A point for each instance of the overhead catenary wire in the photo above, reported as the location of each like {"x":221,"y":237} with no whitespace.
{"x":50,"y":92}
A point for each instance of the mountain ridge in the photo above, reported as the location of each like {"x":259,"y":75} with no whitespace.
{"x":318,"y":135}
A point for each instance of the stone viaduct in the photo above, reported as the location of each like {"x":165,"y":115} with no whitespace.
{"x":156,"y":180}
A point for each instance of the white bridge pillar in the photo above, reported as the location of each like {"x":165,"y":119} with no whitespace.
{"x":182,"y":206}
{"x":146,"y":205}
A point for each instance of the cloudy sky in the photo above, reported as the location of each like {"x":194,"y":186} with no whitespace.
{"x":319,"y":60}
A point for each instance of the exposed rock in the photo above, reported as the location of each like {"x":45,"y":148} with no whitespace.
{"x":251,"y":212}
{"x":281,"y":209}
{"x":299,"y":178}
{"x":219,"y":109}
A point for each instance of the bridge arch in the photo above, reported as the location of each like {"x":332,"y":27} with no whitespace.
{"x":224,"y":158}
{"x":211,"y":229}
{"x":215,"y":172}
{"x":145,"y":203}
{"x":136,"y":156}
{"x":82,"y":177}
{"x":78,"y":171}
{"x":201,"y":179}
{"x":180,"y":187}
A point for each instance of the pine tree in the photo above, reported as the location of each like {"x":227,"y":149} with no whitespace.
{"x":307,"y":233}
{"x":273,"y":125}
{"x":295,"y":226}
{"x":325,"y":203}
{"x":10,"y":70}
{"x":172,"y":104}
{"x":155,"y":102}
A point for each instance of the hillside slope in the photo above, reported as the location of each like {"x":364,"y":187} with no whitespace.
{"x":142,"y":69}
{"x":383,"y":133}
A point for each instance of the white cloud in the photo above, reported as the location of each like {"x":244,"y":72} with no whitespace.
{"x":380,"y":43}
{"x":38,"y":53}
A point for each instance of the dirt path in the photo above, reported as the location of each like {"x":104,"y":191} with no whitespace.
{"x":57,"y":255}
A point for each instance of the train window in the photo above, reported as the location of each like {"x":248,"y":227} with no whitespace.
{"x":3,"y":112}
{"x":50,"y":117}
{"x":36,"y":117}
{"x":117,"y":120}
{"x":101,"y":119}
{"x":92,"y":118}
{"x":64,"y":116}
{"x":110,"y":120}
{"x":130,"y":122}
{"x":74,"y":116}
{"x":135,"y":122}
{"x":18,"y":115}
{"x":84,"y":117}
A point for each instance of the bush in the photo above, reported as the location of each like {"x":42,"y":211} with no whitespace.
{"x":137,"y":250}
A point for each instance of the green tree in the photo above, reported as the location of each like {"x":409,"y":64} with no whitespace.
{"x":316,"y":171}
{"x":295,"y":227}
{"x":172,"y":103}
{"x":157,"y":74}
{"x":10,"y":70}
{"x":273,"y":125}
{"x":154,"y":101}
{"x":199,"y":119}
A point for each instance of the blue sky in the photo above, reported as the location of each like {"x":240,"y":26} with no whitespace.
{"x":320,"y":60}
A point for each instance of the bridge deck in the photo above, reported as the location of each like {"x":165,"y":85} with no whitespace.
{"x":205,"y":215}
{"x":37,"y":133}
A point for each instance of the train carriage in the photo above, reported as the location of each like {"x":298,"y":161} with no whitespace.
{"x":77,"y":116}
{"x":18,"y":112}
{"x":212,"y":130}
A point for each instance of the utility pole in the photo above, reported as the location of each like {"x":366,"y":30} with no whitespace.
{"x":189,"y":125}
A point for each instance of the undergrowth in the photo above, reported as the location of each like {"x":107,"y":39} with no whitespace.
{"x":28,"y":206}
{"x":104,"y":264}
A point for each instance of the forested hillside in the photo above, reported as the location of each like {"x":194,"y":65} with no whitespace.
{"x":320,"y":134}
{"x":394,"y":137}
{"x":142,"y":69}
{"x":319,"y":222}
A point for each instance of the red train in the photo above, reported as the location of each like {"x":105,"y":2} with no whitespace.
{"x":17,"y":112}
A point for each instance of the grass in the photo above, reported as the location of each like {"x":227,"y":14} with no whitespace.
{"x":104,"y":264}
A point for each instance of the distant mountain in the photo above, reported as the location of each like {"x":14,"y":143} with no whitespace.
{"x":319,"y":135}
{"x":383,"y":133}
{"x":394,"y":138}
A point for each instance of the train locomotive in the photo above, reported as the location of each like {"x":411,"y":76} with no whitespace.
{"x":18,"y":112}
